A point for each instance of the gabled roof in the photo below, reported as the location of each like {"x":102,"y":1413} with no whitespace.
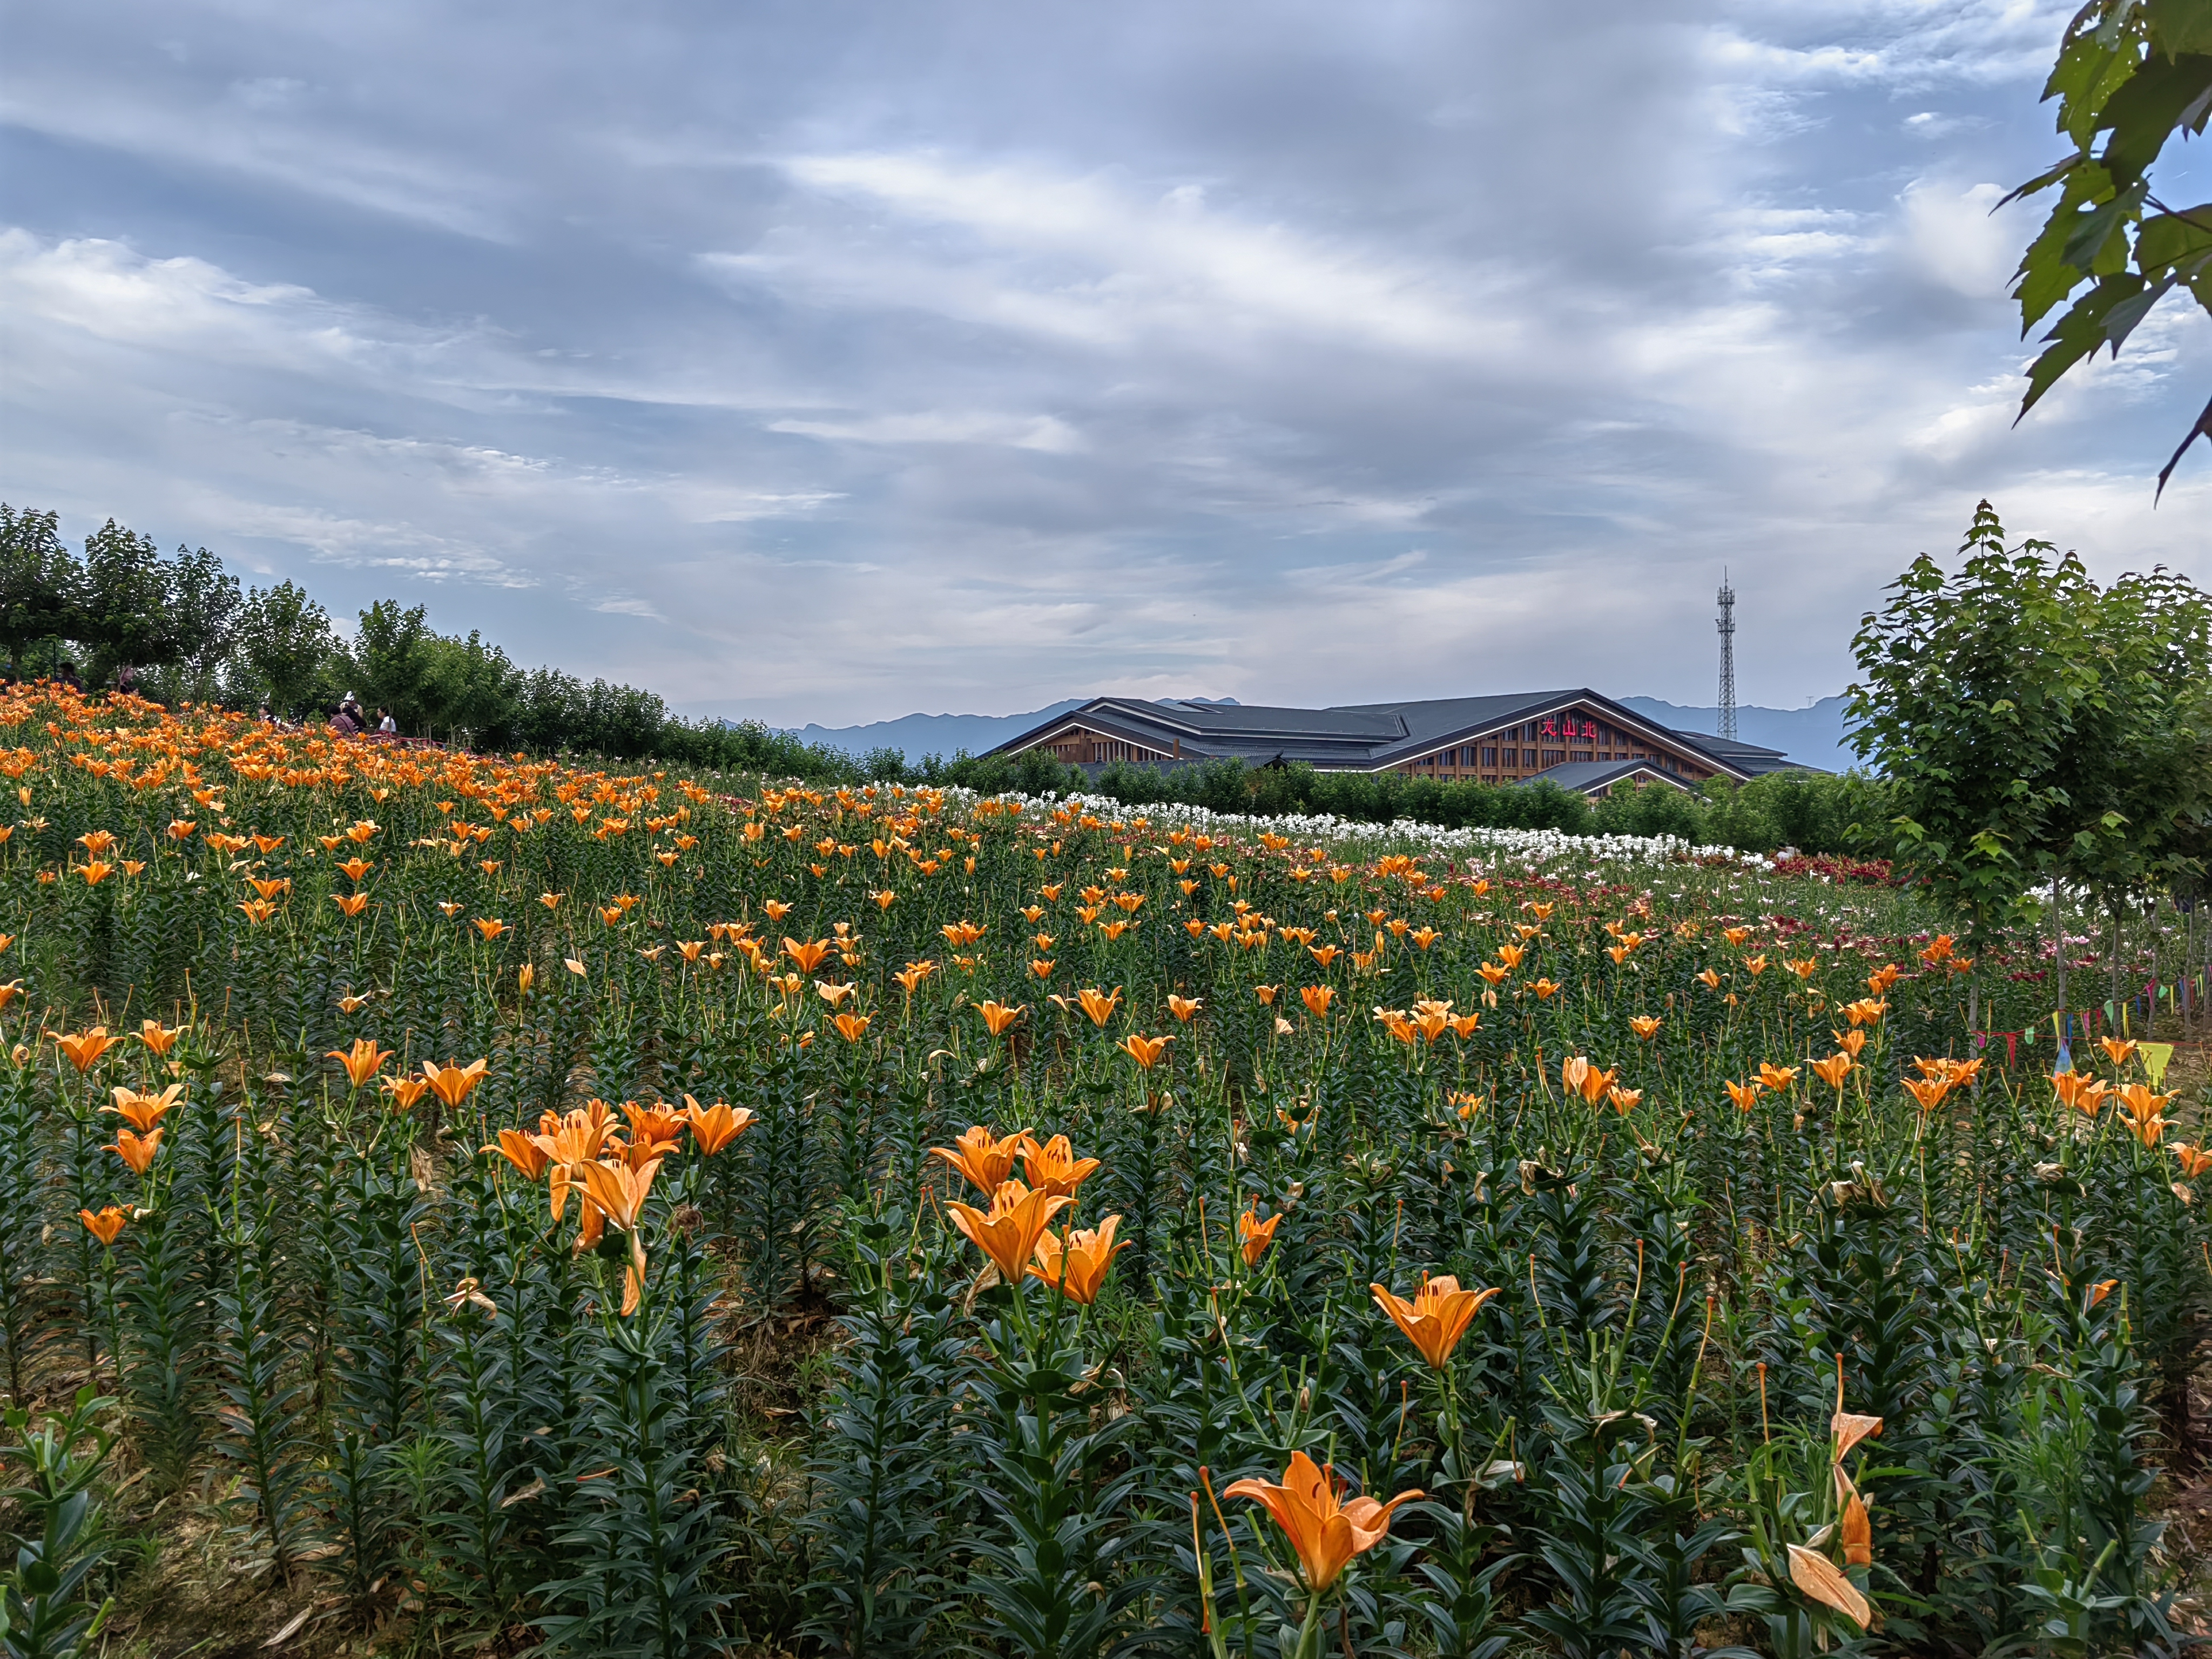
{"x":1588,"y":777}
{"x":1365,"y":737}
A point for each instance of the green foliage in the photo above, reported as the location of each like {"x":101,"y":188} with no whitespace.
{"x":2133,"y":73}
{"x":1973,"y":685}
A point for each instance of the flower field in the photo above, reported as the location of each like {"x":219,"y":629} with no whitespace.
{"x":453,"y":1205}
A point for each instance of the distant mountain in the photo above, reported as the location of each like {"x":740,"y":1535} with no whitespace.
{"x":1814,"y":735}
{"x":916,"y":735}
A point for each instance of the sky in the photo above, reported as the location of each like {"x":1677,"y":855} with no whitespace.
{"x":827,"y":362}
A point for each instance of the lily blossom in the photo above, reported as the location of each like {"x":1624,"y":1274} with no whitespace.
{"x":1076,"y":1265}
{"x":1053,"y":1167}
{"x":986,"y":1160}
{"x":144,"y":1112}
{"x":1008,"y":1232}
{"x":1324,"y":1532}
{"x":362,"y":1061}
{"x":1253,"y":1235}
{"x":1436,"y":1317}
{"x":715,"y":1126}
{"x":452,"y":1083}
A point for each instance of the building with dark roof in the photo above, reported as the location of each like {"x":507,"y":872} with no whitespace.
{"x":1577,"y":739}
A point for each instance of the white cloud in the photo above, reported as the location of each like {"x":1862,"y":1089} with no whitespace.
{"x":1956,"y":237}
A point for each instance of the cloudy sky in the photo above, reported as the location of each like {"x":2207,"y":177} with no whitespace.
{"x":832,"y":361}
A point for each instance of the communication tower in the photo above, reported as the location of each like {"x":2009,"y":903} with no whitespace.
{"x":1727,"y":657}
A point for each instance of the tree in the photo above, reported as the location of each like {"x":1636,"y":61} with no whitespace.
{"x":2133,"y":768}
{"x":388,"y":658}
{"x":123,"y":613}
{"x":39,"y":581}
{"x":1970,"y":688}
{"x":284,"y":642}
{"x":467,"y":686}
{"x":205,"y":602}
{"x":2131,"y":73}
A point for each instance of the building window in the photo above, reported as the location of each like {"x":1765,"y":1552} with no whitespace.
{"x":1490,"y":757}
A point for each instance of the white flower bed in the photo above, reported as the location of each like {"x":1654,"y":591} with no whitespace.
{"x":1526,"y":847}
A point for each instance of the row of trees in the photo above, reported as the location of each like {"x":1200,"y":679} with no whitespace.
{"x":2037,"y":732}
{"x":189,"y":630}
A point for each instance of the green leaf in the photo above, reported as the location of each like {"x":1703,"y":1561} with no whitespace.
{"x":2180,"y":26}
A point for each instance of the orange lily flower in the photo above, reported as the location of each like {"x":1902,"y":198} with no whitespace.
{"x":1624,"y":1101}
{"x":352,"y":903}
{"x":1099,"y":1005}
{"x":1777,"y":1077}
{"x":1324,"y":1532}
{"x":1644,"y":1025}
{"x":1743,"y":1094}
{"x":362,"y":1061}
{"x":852,"y":1027}
{"x":144,"y":1112}
{"x":997,"y":1016}
{"x":84,"y":1048}
{"x":1928,"y":1091}
{"x":1183,"y":1007}
{"x":1076,"y":1265}
{"x":806,"y":957}
{"x":1865,"y":1011}
{"x":1008,"y":1232}
{"x":1709,"y":980}
{"x":1053,"y":1167}
{"x":715,"y":1126}
{"x":137,"y":1151}
{"x":2195,"y":1160}
{"x":619,"y":1190}
{"x":523,"y":1152}
{"x":1851,"y":1041}
{"x":2142,"y":1102}
{"x":1834,"y":1070}
{"x":159,"y":1037}
{"x":1316,"y":999}
{"x":489,"y":929}
{"x":2080,"y":1091}
{"x":451,"y":1083}
{"x":660,"y":1126}
{"x":1145,"y":1051}
{"x":2119,"y":1050}
{"x":1436,"y":1317}
{"x":1253,"y":1235}
{"x":985,"y":1159}
{"x":1585,"y":1080}
{"x":405,"y":1092}
{"x":107,"y":1225}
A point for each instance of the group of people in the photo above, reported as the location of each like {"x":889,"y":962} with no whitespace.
{"x":350,"y":720}
{"x":350,"y":723}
